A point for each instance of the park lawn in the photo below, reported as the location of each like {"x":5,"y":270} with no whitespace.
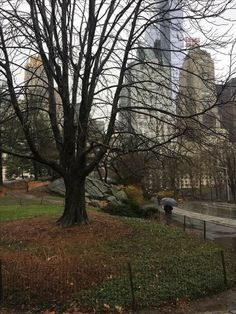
{"x":31,"y":199}
{"x":91,"y":262}
{"x":12,"y":212}
{"x":166,"y":264}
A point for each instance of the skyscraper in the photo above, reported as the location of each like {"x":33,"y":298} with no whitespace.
{"x":197,"y":93}
{"x":36,"y":82}
{"x":169,"y":30}
{"x":226,"y":100}
{"x":35,"y":77}
{"x":147,"y":96}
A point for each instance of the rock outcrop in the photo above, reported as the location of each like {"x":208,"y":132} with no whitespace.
{"x":97,"y":193}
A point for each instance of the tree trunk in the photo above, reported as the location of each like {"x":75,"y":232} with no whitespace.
{"x":75,"y":207}
{"x":216,"y":188}
{"x":99,"y":173}
{"x":36,"y":170}
{"x":200,"y":187}
{"x":211,"y":193}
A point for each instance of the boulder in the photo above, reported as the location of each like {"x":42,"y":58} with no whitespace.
{"x":112,"y":199}
{"x":57,"y":186}
{"x":116,"y":188}
{"x":120,"y":195}
{"x":94,"y":203}
{"x":94,"y":190}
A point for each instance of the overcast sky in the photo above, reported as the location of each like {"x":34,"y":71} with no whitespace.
{"x":222,"y":57}
{"x":225,"y":57}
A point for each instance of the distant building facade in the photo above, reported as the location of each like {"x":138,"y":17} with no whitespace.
{"x":146,"y":94}
{"x":200,"y":120}
{"x":169,"y":31}
{"x":144,"y":106}
{"x":35,"y":78}
{"x":36,"y":82}
{"x":226,"y":100}
{"x":36,"y":102}
{"x":197,"y":93}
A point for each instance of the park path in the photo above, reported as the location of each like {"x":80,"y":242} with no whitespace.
{"x":223,"y":303}
{"x":217,"y":220}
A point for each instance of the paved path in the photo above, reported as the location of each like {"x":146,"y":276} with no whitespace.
{"x":218,"y":220}
{"x":224,"y":303}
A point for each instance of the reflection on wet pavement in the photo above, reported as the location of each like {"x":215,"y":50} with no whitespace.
{"x":224,"y":210}
{"x":217,"y":232}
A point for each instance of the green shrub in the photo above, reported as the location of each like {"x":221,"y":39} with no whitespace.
{"x":129,"y":208}
{"x":149,"y":211}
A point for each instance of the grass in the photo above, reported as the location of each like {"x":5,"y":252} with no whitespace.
{"x":166,"y":241}
{"x":13,"y":212}
{"x":18,"y":206}
{"x":20,"y":199}
{"x":166,"y":263}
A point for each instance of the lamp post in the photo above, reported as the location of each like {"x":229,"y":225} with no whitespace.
{"x":227,"y":181}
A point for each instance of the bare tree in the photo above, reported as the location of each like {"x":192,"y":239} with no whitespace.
{"x":87,"y":50}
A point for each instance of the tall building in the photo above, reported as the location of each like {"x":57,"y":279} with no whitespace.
{"x":197,"y":92}
{"x":226,"y":100}
{"x":204,"y":139}
{"x":36,"y":82}
{"x":36,"y":104}
{"x":35,"y":78}
{"x":145,"y":109}
{"x":169,"y":30}
{"x":146,"y":96}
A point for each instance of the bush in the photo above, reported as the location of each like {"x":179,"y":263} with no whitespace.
{"x":129,"y":208}
{"x":149,"y":211}
{"x":134,"y":193}
{"x":163,"y":194}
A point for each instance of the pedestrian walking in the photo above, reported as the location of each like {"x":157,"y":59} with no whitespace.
{"x":168,"y":213}
{"x":168,"y":204}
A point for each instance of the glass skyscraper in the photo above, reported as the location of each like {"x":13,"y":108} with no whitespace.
{"x":168,"y":29}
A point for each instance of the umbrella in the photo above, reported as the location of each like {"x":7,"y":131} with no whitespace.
{"x":169,"y":201}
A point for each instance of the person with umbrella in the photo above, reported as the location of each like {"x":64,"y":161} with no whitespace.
{"x":168,"y":204}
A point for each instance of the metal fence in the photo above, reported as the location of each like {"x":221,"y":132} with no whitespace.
{"x":129,"y":285}
{"x":208,"y":230}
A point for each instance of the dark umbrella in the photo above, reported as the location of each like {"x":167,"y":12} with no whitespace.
{"x":169,"y":201}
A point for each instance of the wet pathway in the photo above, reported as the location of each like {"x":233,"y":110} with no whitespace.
{"x":228,"y":222}
{"x":220,"y":229}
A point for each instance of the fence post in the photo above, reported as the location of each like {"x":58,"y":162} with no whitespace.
{"x":1,"y":283}
{"x":131,"y":286}
{"x":224,"y":268}
{"x":204,"y":230}
{"x":184,"y":223}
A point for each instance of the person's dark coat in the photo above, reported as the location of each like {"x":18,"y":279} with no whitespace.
{"x":168,"y":209}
